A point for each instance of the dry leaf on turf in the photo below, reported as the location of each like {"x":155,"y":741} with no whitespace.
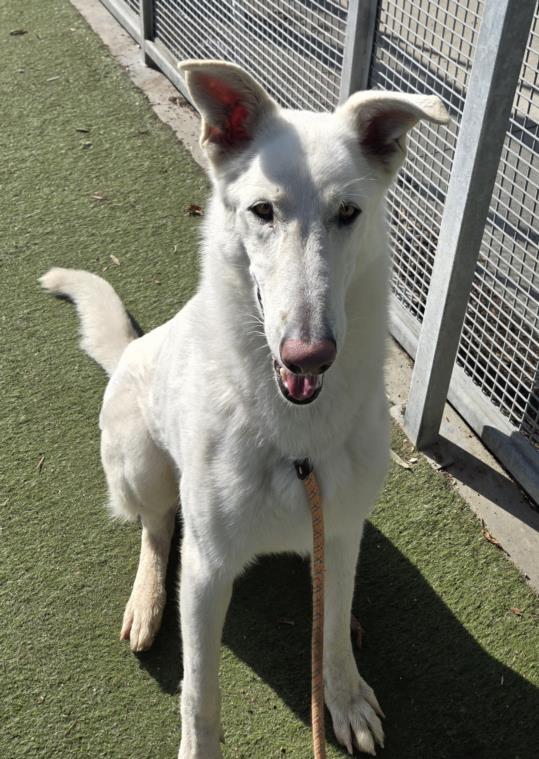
{"x":194,"y":210}
{"x":489,"y":536}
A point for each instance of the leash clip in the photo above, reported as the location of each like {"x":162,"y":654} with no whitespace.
{"x":303,"y":468}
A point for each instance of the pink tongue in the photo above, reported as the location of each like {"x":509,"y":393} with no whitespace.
{"x":301,"y":386}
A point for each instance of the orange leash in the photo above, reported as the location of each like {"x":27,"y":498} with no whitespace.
{"x":305,"y":473}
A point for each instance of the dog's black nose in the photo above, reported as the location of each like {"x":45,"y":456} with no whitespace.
{"x":308,"y":358}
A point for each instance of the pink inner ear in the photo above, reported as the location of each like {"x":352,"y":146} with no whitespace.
{"x":232,"y":128}
{"x":383,"y":128}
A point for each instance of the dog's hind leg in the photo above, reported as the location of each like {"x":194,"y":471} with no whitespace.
{"x":142,"y":483}
{"x":144,"y":610}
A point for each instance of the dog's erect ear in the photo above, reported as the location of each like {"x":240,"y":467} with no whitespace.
{"x":383,"y":119}
{"x":230,"y":102}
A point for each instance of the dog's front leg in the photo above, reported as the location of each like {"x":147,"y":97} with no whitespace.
{"x":351,"y":702}
{"x":204,"y":597}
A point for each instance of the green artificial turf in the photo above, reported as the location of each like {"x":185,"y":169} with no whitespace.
{"x":90,"y":178}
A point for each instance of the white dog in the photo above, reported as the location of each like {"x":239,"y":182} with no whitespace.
{"x":224,"y":397}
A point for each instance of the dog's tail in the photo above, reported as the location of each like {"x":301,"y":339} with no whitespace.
{"x":106,"y":327}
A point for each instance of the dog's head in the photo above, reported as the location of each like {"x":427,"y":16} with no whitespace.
{"x":300,"y":190}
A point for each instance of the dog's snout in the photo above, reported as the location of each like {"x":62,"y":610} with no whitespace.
{"x":308,"y":357}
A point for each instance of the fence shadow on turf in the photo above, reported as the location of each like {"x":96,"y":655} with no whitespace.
{"x":443,"y":695}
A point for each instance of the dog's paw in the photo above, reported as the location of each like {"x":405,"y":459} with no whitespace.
{"x":142,"y":619}
{"x":356,"y":713}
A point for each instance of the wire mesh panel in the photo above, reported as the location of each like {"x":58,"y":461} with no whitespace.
{"x":423,"y":46}
{"x":293,"y":47}
{"x":499,"y":346}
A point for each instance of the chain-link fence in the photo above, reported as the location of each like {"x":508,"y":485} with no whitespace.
{"x":298,"y":49}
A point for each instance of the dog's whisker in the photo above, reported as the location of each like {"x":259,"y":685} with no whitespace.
{"x":259,"y":322}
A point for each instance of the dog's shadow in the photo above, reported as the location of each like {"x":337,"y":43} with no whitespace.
{"x":443,"y":695}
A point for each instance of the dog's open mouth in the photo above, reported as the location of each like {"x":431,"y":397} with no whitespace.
{"x":297,"y":388}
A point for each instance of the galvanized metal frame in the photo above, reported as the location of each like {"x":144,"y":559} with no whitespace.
{"x":125,"y":16}
{"x":358,"y":46}
{"x":165,"y":62}
{"x":146,"y":29}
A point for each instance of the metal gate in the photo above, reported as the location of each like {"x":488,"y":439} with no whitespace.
{"x":313,"y":53}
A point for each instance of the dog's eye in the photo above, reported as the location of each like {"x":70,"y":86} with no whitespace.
{"x":263,"y":210}
{"x":348,"y":213}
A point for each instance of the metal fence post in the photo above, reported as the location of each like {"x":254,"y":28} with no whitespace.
{"x":146,"y":30}
{"x":500,"y":50}
{"x":358,"y":46}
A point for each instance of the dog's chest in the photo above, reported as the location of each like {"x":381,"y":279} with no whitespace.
{"x":251,"y":501}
